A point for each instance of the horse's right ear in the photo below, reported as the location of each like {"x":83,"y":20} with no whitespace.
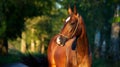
{"x":70,"y":10}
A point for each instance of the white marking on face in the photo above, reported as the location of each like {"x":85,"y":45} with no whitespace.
{"x":67,"y":19}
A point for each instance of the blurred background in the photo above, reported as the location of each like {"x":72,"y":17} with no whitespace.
{"x":26,"y":27}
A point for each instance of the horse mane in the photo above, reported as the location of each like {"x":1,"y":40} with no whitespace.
{"x":83,"y":39}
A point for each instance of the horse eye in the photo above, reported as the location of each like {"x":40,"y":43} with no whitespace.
{"x":72,"y":23}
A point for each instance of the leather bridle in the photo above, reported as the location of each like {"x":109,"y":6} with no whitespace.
{"x":72,"y":33}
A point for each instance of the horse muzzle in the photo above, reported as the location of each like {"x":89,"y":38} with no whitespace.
{"x":61,"y":40}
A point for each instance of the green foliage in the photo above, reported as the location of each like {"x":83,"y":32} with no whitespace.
{"x":13,"y":13}
{"x":104,"y":62}
{"x":2,"y":29}
{"x":100,"y":63}
{"x":39,"y":26}
{"x":44,"y":27}
{"x":115,"y":19}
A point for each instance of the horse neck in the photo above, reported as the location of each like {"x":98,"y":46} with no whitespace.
{"x":82,"y":40}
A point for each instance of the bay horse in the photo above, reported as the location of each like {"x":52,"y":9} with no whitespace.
{"x":70,"y":47}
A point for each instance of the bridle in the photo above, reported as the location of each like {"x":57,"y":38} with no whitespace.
{"x":66,"y":37}
{"x":72,"y":33}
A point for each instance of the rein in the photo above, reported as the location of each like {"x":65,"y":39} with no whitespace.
{"x":73,"y":32}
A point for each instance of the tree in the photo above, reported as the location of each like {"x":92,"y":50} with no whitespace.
{"x":115,"y":37}
{"x":13,"y":14}
{"x":45,"y":27}
{"x":11,"y":28}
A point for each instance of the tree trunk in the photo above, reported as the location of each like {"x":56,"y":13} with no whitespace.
{"x":3,"y":46}
{"x":23,"y":43}
{"x":103,"y":48}
{"x":42,"y":49}
{"x":115,"y":38}
{"x":32,"y":40}
{"x":32,"y":46}
{"x":42,"y":45}
{"x":97,"y":44}
{"x":37,"y":45}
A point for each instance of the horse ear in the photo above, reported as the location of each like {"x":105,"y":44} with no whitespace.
{"x":75,"y":10}
{"x":77,"y":14}
{"x":70,"y":10}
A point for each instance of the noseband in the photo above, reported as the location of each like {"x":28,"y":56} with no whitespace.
{"x":72,"y":33}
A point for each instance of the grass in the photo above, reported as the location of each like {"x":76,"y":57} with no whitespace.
{"x":12,"y":57}
{"x":16,"y":56}
{"x":9,"y":59}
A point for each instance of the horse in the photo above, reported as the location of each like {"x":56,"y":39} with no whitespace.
{"x":70,"y":48}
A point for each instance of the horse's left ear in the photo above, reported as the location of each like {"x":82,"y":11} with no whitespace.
{"x":77,"y":14}
{"x":69,"y":10}
{"x":75,"y":10}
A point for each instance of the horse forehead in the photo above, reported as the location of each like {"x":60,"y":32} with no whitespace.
{"x":67,"y":19}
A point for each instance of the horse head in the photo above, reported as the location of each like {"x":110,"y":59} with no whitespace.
{"x":71,"y":27}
